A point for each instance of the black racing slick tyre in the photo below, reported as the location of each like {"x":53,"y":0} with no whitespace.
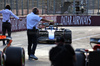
{"x":67,"y":36}
{"x":1,"y":59}
{"x":15,"y":56}
{"x":80,"y":59}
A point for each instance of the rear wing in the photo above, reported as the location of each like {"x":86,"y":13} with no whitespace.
{"x":94,"y":41}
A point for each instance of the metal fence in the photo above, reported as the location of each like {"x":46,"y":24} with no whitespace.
{"x":49,"y":7}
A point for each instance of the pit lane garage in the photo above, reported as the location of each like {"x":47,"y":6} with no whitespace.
{"x":49,"y":33}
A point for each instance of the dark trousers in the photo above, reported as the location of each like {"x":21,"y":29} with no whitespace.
{"x":6,"y":26}
{"x":32,"y":41}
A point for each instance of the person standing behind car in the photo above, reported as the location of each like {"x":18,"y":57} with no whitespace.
{"x":32,"y":21}
{"x":62,"y":55}
{"x":6,"y":25}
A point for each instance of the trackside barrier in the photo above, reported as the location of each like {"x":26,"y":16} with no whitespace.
{"x":66,"y":20}
{"x":16,"y":24}
{"x":76,"y":20}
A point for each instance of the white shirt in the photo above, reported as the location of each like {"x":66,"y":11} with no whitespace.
{"x":7,"y":14}
{"x":33,"y":20}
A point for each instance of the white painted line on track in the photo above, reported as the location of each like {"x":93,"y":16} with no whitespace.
{"x":16,"y":44}
{"x":54,"y":44}
{"x":73,"y":40}
{"x":45,"y":46}
{"x":85,"y":37}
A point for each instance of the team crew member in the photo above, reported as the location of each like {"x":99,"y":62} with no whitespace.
{"x":6,"y":25}
{"x":32,"y":21}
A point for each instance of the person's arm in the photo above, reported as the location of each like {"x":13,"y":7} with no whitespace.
{"x":73,"y":52}
{"x":12,"y":14}
{"x":45,"y":20}
{"x":49,"y":21}
{"x":70,"y":48}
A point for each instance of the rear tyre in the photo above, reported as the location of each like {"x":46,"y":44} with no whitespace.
{"x":15,"y":56}
{"x":80,"y":59}
{"x":1,"y":59}
{"x":80,"y":49}
{"x":68,"y":36}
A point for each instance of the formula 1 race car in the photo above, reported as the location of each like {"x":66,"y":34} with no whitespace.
{"x":11,"y":56}
{"x":49,"y":33}
{"x":89,"y":57}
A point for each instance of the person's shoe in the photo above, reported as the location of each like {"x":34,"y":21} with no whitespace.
{"x":33,"y":57}
{"x":29,"y":58}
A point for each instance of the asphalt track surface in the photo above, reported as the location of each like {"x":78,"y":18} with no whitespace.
{"x":80,"y":39}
